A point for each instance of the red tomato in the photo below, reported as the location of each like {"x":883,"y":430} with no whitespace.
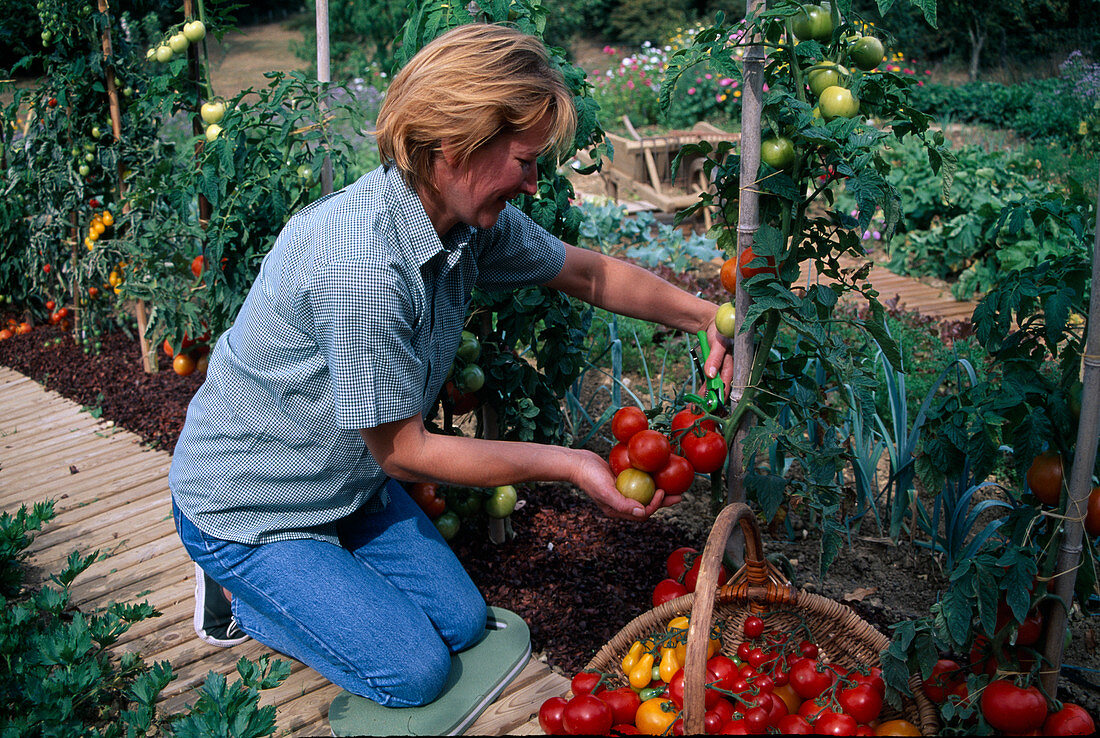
{"x":707,"y":453}
{"x":50,"y":304}
{"x":725,"y":670}
{"x":756,"y":720}
{"x":1044,"y":477}
{"x":625,"y":729}
{"x":834,"y":723}
{"x":807,"y":680}
{"x":676,"y":476}
{"x":676,"y":690}
{"x":648,"y":450}
{"x":808,"y":649}
{"x":873,"y":679}
{"x":619,"y":458}
{"x":754,"y":626}
{"x":692,"y":575}
{"x":426,"y":495}
{"x":624,"y":703}
{"x":679,"y":561}
{"x":667,"y":590}
{"x":584,"y":682}
{"x":1013,"y":709}
{"x":627,"y":421}
{"x":862,"y":702}
{"x":794,"y":725}
{"x":550,"y":716}
{"x":1092,"y":513}
{"x":685,"y":419}
{"x":746,"y":271}
{"x":1070,"y":720}
{"x":586,"y":715}
{"x":734,"y":727}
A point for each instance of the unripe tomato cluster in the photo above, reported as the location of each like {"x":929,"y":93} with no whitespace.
{"x":465,"y":377}
{"x":646,"y":459}
{"x":775,"y":682}
{"x":450,"y":507}
{"x":176,"y":43}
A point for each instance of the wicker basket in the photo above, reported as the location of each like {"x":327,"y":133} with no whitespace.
{"x":757,"y":588}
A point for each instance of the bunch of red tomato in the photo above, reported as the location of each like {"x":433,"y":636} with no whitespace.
{"x":645,"y":459}
{"x":682,"y":567}
{"x":774,"y":682}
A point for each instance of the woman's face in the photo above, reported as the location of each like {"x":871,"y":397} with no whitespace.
{"x":476,"y":192}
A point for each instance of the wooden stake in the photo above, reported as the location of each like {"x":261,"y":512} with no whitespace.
{"x":324,"y":75}
{"x":1080,"y":486}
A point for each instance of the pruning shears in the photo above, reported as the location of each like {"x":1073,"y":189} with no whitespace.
{"x":714,"y":396}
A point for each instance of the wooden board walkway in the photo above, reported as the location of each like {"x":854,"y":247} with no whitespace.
{"x":111,"y":494}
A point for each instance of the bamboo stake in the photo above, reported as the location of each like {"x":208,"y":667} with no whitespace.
{"x":1080,"y":484}
{"x":324,"y":75}
{"x":748,"y":222}
{"x":148,"y":354}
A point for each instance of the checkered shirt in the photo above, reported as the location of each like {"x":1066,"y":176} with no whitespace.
{"x":353,"y":321}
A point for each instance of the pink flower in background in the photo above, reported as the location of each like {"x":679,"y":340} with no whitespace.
{"x":734,"y":85}
{"x":630,"y":84}
{"x":720,"y":97}
{"x":876,"y":235}
{"x":725,"y":81}
{"x":765,"y":88}
{"x":866,"y":235}
{"x":708,"y":75}
{"x":691,"y":90}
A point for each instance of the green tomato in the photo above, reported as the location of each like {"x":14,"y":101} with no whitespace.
{"x":470,"y":348}
{"x":212,"y":112}
{"x":164,"y":54}
{"x":194,"y":31}
{"x":825,"y":75}
{"x":838,"y":102}
{"x":502,"y":502}
{"x":305,"y":172}
{"x":178,"y":43}
{"x":812,"y":22}
{"x":213,"y":131}
{"x":725,"y":320}
{"x":778,"y":153}
{"x":866,"y":53}
{"x":636,"y":484}
{"x":448,"y":524}
{"x":84,"y":170}
{"x":465,"y":503}
{"x":471,"y":379}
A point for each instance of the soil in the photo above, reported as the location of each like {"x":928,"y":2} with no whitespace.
{"x":575,"y":576}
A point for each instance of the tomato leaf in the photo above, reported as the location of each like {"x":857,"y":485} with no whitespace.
{"x":768,"y":489}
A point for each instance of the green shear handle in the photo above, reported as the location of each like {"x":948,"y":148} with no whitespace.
{"x":714,"y":397}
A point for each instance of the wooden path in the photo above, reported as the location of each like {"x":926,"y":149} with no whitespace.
{"x":111,"y":494}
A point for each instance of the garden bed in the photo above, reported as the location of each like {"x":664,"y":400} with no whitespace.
{"x":575,"y":576}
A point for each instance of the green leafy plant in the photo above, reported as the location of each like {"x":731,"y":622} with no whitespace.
{"x":63,"y":678}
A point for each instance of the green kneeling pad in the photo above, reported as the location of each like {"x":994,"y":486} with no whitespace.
{"x":478,"y":676}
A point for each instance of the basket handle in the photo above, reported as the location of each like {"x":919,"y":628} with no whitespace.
{"x":758,"y":578}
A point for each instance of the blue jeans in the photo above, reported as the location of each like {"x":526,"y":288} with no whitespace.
{"x":379,"y":615}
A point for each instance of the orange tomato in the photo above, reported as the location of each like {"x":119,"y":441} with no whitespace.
{"x":897,"y":727}
{"x":24,"y":328}
{"x":789,"y":696}
{"x":197,"y":265}
{"x":183,"y":365}
{"x":728,"y":275}
{"x":5,"y":334}
{"x":655,"y":716}
{"x":168,"y":348}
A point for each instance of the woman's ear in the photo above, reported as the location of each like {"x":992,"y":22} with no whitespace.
{"x":450,"y":154}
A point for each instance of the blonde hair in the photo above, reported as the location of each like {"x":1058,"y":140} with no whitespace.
{"x":466,"y":87}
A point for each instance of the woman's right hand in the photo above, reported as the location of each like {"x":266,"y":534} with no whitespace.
{"x":593,"y":475}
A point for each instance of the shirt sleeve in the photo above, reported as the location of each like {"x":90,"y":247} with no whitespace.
{"x":364,"y":316}
{"x":518,"y":252}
